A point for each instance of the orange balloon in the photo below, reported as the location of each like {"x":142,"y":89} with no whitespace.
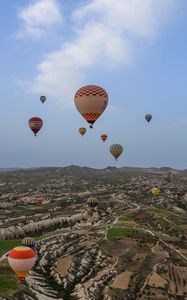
{"x":104,"y":137}
{"x":21,"y":259}
{"x":91,"y":101}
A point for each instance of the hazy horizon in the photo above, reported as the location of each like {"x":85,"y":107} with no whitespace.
{"x":81,"y":166}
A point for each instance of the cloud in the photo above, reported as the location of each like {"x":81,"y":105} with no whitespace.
{"x":38,"y":17}
{"x":106,"y":36}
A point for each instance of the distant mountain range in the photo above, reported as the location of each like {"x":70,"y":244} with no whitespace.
{"x":73,"y":170}
{"x":9,"y":169}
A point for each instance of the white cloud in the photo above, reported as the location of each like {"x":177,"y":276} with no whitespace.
{"x":38,"y":17}
{"x":139,"y":18}
{"x":106,"y":36}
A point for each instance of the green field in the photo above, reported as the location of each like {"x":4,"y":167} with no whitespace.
{"x":6,"y":245}
{"x":124,"y":218}
{"x":9,"y":285}
{"x":119,"y":233}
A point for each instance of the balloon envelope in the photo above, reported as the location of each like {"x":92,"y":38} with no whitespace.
{"x":170,"y":176}
{"x":155,"y":191}
{"x":116,"y":150}
{"x":104,"y":137}
{"x":92,"y":203}
{"x":42,"y":99}
{"x":91,"y":101}
{"x":28,"y":242}
{"x":82,"y":130}
{"x":21,"y":260}
{"x":35,"y":124}
{"x":39,"y":200}
{"x":148,"y":117}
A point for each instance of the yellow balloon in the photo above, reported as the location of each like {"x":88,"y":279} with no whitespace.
{"x":82,"y":130}
{"x":155,"y":191}
{"x":116,"y":150}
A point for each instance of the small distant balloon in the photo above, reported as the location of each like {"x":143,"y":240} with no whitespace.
{"x":82,"y":130}
{"x":35,"y":124}
{"x":104,"y":137}
{"x":42,"y":99}
{"x":170,"y":176}
{"x":148,"y":117}
{"x":91,"y":101}
{"x":116,"y":150}
{"x":92,"y":203}
{"x":39,"y":200}
{"x":155,"y":191}
{"x":28,"y":242}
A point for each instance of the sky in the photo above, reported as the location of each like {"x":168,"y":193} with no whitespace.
{"x":134,"y":49}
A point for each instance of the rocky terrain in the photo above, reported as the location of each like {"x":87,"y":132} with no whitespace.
{"x":132,"y":247}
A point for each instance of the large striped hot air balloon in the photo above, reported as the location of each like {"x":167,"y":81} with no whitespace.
{"x":35,"y":124}
{"x":91,"y":101}
{"x":104,"y":137}
{"x":21,"y":259}
{"x":116,"y":150}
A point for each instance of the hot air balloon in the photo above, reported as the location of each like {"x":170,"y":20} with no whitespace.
{"x":35,"y":124}
{"x":148,"y":117}
{"x":116,"y":150}
{"x":170,"y":176}
{"x":155,"y":191}
{"x":28,"y":242}
{"x":42,"y":99}
{"x":104,"y":137}
{"x":21,"y":259}
{"x":82,"y":131}
{"x":92,"y":203}
{"x":39,"y":200}
{"x":91,"y":101}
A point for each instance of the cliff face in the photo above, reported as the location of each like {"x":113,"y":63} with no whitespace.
{"x":88,"y":274}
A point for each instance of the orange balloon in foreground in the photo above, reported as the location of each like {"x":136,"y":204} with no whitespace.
{"x":21,"y":259}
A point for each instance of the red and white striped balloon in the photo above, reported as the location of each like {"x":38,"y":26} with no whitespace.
{"x":21,"y":259}
{"x":35,"y":124}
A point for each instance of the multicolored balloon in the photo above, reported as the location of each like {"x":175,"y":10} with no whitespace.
{"x":92,"y":203}
{"x":42,"y":99}
{"x":21,"y":259}
{"x":35,"y":124}
{"x":104,"y":137}
{"x":91,"y":101}
{"x":82,"y":131}
{"x":148,"y":117}
{"x":116,"y":150}
{"x":28,"y":242}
